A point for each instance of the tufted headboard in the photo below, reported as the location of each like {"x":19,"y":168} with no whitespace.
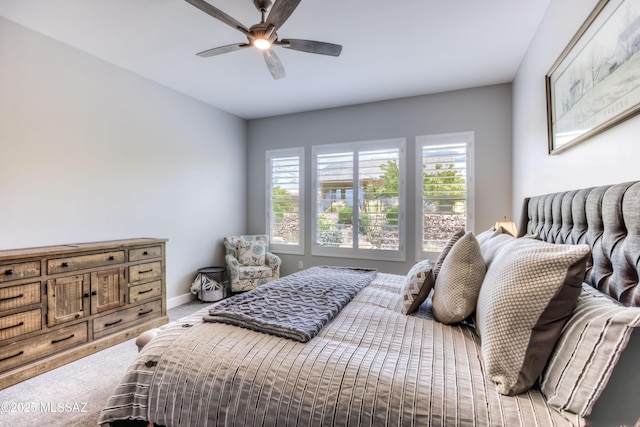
{"x":607,"y":218}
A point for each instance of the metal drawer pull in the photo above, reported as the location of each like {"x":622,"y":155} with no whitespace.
{"x":111,"y":258}
{"x":20,"y":353}
{"x":63,"y":339}
{"x":13,"y":297}
{"x":8,"y":272}
{"x":144,"y":292}
{"x":142,"y":313}
{"x":145,"y":253}
{"x":145,"y":271}
{"x":64,"y":264}
{"x":12,"y":326}
{"x":112,"y":323}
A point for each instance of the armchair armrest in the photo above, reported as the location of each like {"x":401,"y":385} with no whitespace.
{"x":232,"y":268}
{"x":273,"y":261}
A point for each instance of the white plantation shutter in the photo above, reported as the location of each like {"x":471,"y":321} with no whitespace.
{"x":359,"y":200}
{"x":443,"y":182}
{"x":286,"y":199}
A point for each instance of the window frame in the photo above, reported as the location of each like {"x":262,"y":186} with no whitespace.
{"x":271,"y":155}
{"x":467,"y":137}
{"x":354,"y":252}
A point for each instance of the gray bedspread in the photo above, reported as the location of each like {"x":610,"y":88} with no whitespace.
{"x":296,"y":306}
{"x":369,"y":366}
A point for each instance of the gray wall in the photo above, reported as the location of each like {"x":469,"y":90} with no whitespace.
{"x":485,"y":110}
{"x":608,"y":158}
{"x":92,"y":152}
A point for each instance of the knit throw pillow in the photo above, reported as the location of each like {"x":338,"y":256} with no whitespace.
{"x":453,"y":238}
{"x":528,"y":294}
{"x":457,"y":286}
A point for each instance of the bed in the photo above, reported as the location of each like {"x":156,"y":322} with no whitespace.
{"x":384,"y":356}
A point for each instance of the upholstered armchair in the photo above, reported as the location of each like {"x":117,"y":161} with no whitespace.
{"x":249,"y":262}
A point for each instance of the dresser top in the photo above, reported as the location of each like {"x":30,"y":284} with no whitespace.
{"x":76,"y":247}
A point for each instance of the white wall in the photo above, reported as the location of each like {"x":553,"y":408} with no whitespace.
{"x":485,"y":110}
{"x":89,"y":152}
{"x":608,"y":158}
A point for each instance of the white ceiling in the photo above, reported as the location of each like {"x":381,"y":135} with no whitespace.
{"x":390,"y":49}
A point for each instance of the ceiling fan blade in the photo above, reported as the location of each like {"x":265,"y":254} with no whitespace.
{"x":274,"y":64}
{"x":312,"y":46}
{"x":281,"y":11}
{"x":222,"y":49}
{"x":219,"y":15}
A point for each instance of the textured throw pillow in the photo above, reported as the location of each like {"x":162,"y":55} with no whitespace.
{"x":457,"y":286}
{"x":453,"y":238}
{"x":528,"y":294}
{"x":588,"y":349}
{"x":251,"y":253}
{"x":417,"y":285}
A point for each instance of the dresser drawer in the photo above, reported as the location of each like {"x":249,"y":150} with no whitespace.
{"x":123,"y":319}
{"x":19,"y":270}
{"x":81,"y":262}
{"x":145,"y":272}
{"x":145,"y":291}
{"x":18,"y":324}
{"x":19,"y":296}
{"x":21,"y":352}
{"x":145,"y":253}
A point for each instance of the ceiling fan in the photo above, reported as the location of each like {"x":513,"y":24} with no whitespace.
{"x":263,"y":35}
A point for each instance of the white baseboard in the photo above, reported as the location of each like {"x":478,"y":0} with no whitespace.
{"x":179,"y":300}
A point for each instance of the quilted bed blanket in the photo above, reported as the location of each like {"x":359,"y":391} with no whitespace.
{"x":296,"y":306}
{"x":369,"y":366}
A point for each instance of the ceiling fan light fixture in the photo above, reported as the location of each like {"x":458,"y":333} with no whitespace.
{"x":261,"y":43}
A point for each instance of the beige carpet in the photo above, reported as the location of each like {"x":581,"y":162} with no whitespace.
{"x":74,"y":394}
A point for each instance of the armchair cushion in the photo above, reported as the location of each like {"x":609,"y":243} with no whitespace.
{"x":251,"y":252}
{"x":255,"y":272}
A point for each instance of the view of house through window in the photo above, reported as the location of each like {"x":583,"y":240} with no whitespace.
{"x":445,"y":194}
{"x":284,"y":182}
{"x":358,"y":199}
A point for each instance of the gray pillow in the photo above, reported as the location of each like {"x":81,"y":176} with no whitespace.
{"x":417,"y":286}
{"x":528,"y":294}
{"x":458,"y":284}
{"x":586,"y":353}
{"x":453,"y":238}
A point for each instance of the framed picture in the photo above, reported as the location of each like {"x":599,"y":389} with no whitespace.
{"x":595,"y":83}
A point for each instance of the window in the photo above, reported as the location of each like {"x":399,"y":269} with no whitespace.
{"x":445,"y":197}
{"x":285,"y":196}
{"x":358,"y":208}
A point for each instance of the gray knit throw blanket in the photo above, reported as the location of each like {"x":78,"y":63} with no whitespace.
{"x":295,"y":306}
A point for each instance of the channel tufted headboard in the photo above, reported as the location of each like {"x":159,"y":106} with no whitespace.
{"x":607,"y":218}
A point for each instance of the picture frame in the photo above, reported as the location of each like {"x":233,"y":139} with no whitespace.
{"x":595,"y":83}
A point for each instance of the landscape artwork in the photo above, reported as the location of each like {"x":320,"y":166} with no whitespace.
{"x":595,"y":83}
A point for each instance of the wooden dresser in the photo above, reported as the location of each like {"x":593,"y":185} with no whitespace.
{"x":61,"y":303}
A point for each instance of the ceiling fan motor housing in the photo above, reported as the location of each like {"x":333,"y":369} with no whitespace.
{"x":262,"y":31}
